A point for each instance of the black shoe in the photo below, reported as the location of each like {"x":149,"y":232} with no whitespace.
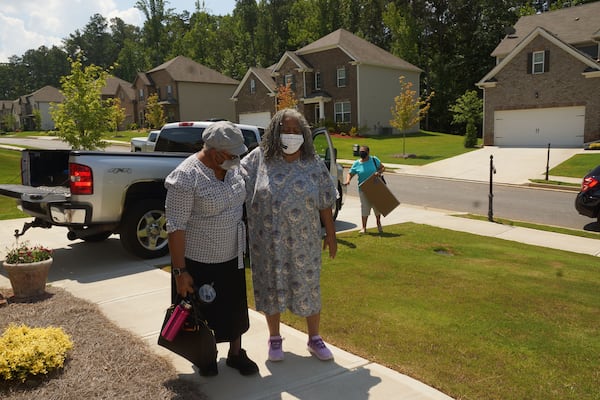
{"x":242,"y":363}
{"x":209,"y":370}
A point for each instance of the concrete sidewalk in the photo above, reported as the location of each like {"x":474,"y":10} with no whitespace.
{"x":134,"y":294}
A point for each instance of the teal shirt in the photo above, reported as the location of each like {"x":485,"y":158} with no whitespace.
{"x":364,"y":169}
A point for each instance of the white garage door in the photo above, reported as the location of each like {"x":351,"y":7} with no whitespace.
{"x":560,"y":126}
{"x":258,"y":119}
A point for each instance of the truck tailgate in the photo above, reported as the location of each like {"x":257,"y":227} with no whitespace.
{"x":36,"y":194}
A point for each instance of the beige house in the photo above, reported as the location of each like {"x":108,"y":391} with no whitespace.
{"x":545,"y":86}
{"x":339,"y":78}
{"x":26,"y":107}
{"x":187,"y":90}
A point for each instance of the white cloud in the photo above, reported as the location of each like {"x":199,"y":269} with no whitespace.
{"x":29,"y":24}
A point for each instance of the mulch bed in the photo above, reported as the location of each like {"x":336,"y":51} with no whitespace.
{"x":106,"y":362}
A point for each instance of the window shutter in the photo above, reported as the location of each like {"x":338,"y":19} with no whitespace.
{"x":529,"y":62}
{"x":547,"y":61}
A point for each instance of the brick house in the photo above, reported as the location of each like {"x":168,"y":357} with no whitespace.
{"x":122,"y":90}
{"x":339,"y":78}
{"x":187,"y":91}
{"x":546,"y":83}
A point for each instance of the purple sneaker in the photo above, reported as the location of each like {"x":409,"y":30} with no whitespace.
{"x":317,"y":347}
{"x":275,"y":348}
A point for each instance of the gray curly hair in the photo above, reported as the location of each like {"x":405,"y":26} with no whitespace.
{"x":271,"y":141}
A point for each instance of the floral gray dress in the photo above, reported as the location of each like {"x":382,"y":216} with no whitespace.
{"x":283,"y":202}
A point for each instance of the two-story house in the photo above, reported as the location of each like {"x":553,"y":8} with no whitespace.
{"x":26,"y":107}
{"x":339,"y":78}
{"x":545,"y":87}
{"x":118,"y":88}
{"x":187,"y":91}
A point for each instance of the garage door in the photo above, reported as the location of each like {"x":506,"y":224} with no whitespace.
{"x":258,"y":119}
{"x":560,"y":126}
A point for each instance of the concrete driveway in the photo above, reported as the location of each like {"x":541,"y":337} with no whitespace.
{"x":514,"y":165}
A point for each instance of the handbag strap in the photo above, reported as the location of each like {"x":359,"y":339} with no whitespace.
{"x":375,"y":162}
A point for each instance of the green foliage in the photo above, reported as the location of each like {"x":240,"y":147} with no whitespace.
{"x":118,"y":113}
{"x":83,"y":116}
{"x":155,"y":115}
{"x":24,"y":253}
{"x":9,"y":121}
{"x":471,"y":135}
{"x":26,"y":351}
{"x":468,"y":110}
{"x":37,"y":119}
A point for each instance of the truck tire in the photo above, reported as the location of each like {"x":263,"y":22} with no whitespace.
{"x":143,"y":229}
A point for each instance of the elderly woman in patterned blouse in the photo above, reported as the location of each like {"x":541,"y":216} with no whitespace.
{"x":204,"y":206}
{"x":290,"y":192}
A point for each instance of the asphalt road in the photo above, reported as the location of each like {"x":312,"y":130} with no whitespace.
{"x":513,"y":202}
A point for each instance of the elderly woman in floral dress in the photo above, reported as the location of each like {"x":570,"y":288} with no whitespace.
{"x":289,"y":196}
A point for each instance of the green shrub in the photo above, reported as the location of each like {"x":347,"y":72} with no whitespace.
{"x":26,"y":351}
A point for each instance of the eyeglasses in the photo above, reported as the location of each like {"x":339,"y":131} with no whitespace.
{"x":230,"y":156}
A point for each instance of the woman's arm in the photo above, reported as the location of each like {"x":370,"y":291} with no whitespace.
{"x":330,"y":240}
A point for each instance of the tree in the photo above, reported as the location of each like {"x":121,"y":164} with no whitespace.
{"x":408,"y":109}
{"x":118,"y":114}
{"x":286,"y":97}
{"x":468,"y":109}
{"x":37,"y":120}
{"x":83,"y":116}
{"x":155,"y":115}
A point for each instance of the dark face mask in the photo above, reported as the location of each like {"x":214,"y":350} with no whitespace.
{"x":363,"y":154}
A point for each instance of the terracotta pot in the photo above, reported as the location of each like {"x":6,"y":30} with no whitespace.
{"x":28,"y":280}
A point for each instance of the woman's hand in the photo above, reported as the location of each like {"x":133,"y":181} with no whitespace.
{"x":330,"y":242}
{"x":185,"y":284}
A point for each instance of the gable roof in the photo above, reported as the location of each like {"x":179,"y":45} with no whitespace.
{"x":592,"y":65}
{"x":302,"y":65}
{"x":573,"y":25}
{"x":265,"y":77}
{"x":112,"y":84}
{"x":358,"y":49}
{"x":46,"y":94}
{"x":183,"y":69}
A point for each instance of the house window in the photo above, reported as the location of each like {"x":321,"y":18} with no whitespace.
{"x":537,"y":66}
{"x":252,"y":86}
{"x":317,"y":81}
{"x":341,"y":77}
{"x":169,"y":90}
{"x":141,"y":94}
{"x":289,"y":80}
{"x":342,"y":112}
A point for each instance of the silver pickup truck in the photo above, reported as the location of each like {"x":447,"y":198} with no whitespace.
{"x":96,"y":194}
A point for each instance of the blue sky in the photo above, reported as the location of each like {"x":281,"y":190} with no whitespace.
{"x":29,"y":24}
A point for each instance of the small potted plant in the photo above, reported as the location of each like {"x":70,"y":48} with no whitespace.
{"x":27,"y":267}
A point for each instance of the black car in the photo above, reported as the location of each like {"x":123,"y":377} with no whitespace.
{"x":587,"y":201}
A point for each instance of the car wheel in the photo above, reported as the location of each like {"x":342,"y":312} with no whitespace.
{"x":143,"y":229}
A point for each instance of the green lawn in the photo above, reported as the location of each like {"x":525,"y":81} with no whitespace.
{"x":426,"y":146}
{"x":475,"y":317}
{"x":578,"y":165}
{"x":10,"y":162}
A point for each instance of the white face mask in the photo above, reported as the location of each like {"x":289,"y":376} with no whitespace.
{"x":230,"y":164}
{"x":291,"y":143}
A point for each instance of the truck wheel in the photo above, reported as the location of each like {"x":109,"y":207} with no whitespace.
{"x":143,"y":229}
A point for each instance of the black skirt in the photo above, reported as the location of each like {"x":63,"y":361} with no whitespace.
{"x":227,"y":314}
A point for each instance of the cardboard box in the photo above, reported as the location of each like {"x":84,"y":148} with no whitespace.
{"x":379,"y":195}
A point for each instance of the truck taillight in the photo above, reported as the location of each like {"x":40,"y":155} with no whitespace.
{"x":81,"y":178}
{"x":588,"y":183}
